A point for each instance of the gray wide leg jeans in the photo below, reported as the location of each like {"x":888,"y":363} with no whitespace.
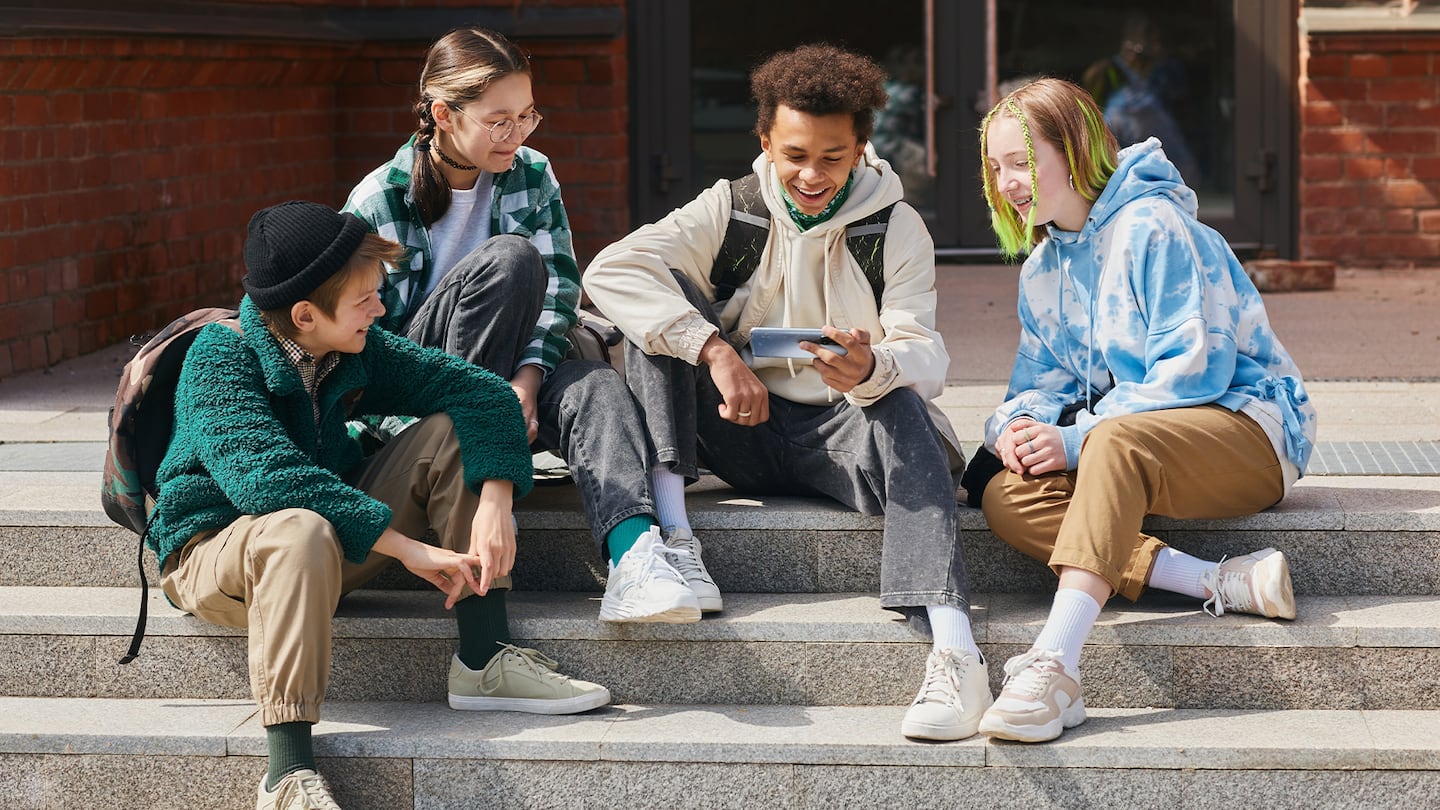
{"x":484,"y":310}
{"x":886,"y":458}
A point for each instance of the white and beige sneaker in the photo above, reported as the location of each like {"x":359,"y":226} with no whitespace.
{"x":298,"y":790}
{"x":1257,"y":583}
{"x":645,"y":587}
{"x":1041,"y":698}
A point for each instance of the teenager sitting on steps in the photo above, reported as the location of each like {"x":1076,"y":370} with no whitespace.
{"x":267,"y":513}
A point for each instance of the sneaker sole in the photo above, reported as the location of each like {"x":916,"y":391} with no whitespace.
{"x":994,"y":726}
{"x":678,"y":614}
{"x":919,"y":730}
{"x":710,"y":604}
{"x":570,"y":705}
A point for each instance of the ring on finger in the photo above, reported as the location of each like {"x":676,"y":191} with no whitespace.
{"x":1028,"y":437}
{"x":744,"y":414}
{"x":1030,"y":445}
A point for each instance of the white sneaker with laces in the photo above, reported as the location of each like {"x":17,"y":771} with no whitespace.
{"x":684,"y":555}
{"x":1257,"y":583}
{"x":1041,"y":698}
{"x":956,"y":692}
{"x":645,"y":587}
{"x":298,"y":790}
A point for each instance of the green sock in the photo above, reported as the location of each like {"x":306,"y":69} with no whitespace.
{"x":290,"y":750}
{"x":625,"y":533}
{"x":483,"y":626}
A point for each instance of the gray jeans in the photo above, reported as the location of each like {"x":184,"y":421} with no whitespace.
{"x":484,"y":310}
{"x":886,"y":458}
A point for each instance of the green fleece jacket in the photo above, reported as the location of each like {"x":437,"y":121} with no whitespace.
{"x":246,"y":441}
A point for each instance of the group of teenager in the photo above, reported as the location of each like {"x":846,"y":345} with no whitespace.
{"x":432,"y":313}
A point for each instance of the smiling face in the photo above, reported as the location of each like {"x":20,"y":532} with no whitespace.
{"x":467,"y":142}
{"x":1041,"y":193}
{"x":356,"y":308}
{"x":812,"y":154}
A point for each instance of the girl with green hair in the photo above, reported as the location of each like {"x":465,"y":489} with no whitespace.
{"x":1148,"y":381}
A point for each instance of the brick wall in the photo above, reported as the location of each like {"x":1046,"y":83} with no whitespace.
{"x":130,"y":165}
{"x":1370,"y":149}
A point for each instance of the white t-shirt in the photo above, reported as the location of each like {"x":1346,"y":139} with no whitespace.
{"x":465,"y":227}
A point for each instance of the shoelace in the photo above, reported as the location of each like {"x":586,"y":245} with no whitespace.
{"x":310,"y":788}
{"x":942,"y":680}
{"x":654,"y":561}
{"x":539,"y":663}
{"x":1227,"y":589}
{"x":685,"y":561}
{"x":1023,"y":676}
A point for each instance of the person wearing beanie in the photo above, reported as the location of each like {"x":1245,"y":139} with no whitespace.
{"x":268,"y":512}
{"x":492,"y":277}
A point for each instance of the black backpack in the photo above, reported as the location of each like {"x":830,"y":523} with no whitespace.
{"x":749,"y":229}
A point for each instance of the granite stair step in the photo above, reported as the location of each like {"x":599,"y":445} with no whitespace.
{"x":1357,"y":652}
{"x":1344,"y":535}
{"x":59,"y":752}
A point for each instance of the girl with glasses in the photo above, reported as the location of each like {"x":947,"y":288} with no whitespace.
{"x":490,"y":276}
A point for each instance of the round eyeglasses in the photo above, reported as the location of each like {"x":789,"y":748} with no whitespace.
{"x":502,"y":130}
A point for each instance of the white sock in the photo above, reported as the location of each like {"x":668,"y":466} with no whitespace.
{"x":951,"y":628}
{"x":669,"y":490}
{"x":1178,"y":572}
{"x":1071,"y":617}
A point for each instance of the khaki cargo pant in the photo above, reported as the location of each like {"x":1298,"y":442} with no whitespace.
{"x":1188,"y":463}
{"x":281,"y":575}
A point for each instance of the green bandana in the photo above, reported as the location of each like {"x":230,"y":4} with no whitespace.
{"x":808,"y":221}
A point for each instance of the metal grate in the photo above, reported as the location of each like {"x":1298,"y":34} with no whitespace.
{"x":1375,"y":458}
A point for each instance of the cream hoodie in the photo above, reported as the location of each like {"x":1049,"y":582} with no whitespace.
{"x":804,"y":279}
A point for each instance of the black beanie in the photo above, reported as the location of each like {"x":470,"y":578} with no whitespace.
{"x":293,"y":247}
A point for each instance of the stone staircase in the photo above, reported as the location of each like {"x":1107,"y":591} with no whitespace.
{"x":790,"y":698}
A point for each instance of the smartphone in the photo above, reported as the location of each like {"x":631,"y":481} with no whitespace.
{"x":771,"y":341}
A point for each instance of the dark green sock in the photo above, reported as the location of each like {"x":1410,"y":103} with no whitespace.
{"x":290,"y":750}
{"x":483,"y":626}
{"x":624,"y":535}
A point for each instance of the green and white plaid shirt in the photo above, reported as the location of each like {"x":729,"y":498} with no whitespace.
{"x":526,"y":202}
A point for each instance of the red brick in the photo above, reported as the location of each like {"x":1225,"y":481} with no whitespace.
{"x":1428,"y":221}
{"x":1320,"y":168}
{"x":31,"y":111}
{"x":1423,"y":114}
{"x":1405,"y":193}
{"x":1368,"y":65}
{"x":1338,"y":89}
{"x":1413,"y":247}
{"x":1401,"y":220}
{"x":1364,"y":220}
{"x":1329,"y":195}
{"x":1401,"y":142}
{"x":1410,"y":91}
{"x":1411,"y":64}
{"x":1366,"y":168}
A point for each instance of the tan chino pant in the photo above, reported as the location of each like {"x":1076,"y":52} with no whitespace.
{"x":281,"y":575}
{"x":1199,"y":462}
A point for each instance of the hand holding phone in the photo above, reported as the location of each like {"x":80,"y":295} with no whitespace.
{"x":772,"y":341}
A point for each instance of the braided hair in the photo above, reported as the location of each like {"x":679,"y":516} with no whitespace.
{"x":458,"y":68}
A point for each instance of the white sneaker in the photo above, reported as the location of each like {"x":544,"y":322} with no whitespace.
{"x":1257,"y":583}
{"x":644,"y":587}
{"x":298,"y":790}
{"x":1041,"y":698}
{"x":684,"y":555}
{"x":955,"y":693}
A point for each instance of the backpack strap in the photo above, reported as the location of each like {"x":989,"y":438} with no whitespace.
{"x":745,"y":237}
{"x":749,"y":229}
{"x":139,"y":634}
{"x":866,"y":241}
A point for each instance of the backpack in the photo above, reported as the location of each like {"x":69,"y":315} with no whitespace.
{"x":141,"y":423}
{"x":749,"y":229}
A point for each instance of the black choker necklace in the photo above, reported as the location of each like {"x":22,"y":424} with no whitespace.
{"x":451,"y":163}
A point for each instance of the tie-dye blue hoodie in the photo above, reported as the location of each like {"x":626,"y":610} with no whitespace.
{"x":1153,"y":309}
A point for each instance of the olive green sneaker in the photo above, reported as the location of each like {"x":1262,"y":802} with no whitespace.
{"x":519,"y":679}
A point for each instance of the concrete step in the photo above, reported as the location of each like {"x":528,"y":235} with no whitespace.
{"x":1344,"y":535}
{"x":192,"y":753}
{"x":1361,"y":652}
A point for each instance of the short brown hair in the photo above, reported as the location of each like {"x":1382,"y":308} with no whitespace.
{"x":819,"y":80}
{"x":371,"y":257}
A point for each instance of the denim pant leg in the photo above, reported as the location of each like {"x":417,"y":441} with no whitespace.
{"x":589,"y":416}
{"x":886,"y":458}
{"x":486,"y":306}
{"x":666,"y":389}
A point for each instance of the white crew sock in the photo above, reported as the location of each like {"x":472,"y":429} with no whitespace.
{"x":1178,"y":572}
{"x":669,"y":490}
{"x":1071,"y":617}
{"x":951,"y":628}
